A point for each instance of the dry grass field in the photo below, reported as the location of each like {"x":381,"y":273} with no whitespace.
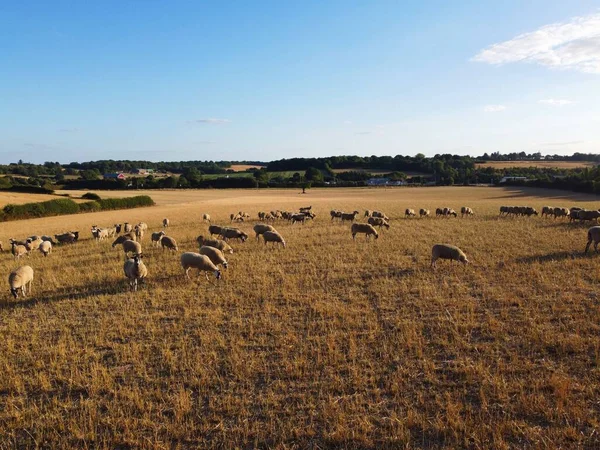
{"x":18,"y":198}
{"x":328,"y":343}
{"x":243,"y":167}
{"x":539,"y":164}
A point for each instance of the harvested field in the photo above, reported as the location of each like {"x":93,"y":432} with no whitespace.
{"x":327,"y":343}
{"x":243,"y":167}
{"x":538,"y":164}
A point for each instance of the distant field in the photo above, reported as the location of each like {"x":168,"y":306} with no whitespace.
{"x":17,"y":198}
{"x":540,"y":164}
{"x":328,"y":343}
{"x":242,"y":167}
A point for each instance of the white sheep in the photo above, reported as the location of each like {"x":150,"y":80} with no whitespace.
{"x":132,"y":246}
{"x":135,"y":270}
{"x":273,"y":236}
{"x":156,"y":237}
{"x":216,"y":243}
{"x":206,"y":218}
{"x":168,"y":242}
{"x":21,"y":278}
{"x":447,"y":251}
{"x":139,"y":233}
{"x":409,"y":212}
{"x":166,"y":223}
{"x":214,"y":254}
{"x":260,"y":228}
{"x":365,"y":228}
{"x":45,"y":248}
{"x":127,"y":227}
{"x":18,"y":250}
{"x":191,"y":260}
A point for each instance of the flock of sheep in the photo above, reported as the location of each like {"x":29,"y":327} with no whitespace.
{"x":211,"y":250}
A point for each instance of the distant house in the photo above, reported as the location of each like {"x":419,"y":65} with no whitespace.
{"x":142,"y":171}
{"x":114,"y":176}
{"x":384,"y":182}
{"x":505,"y":179}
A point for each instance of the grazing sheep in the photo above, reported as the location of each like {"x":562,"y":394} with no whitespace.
{"x":127,"y":227}
{"x":233,"y":233}
{"x":378,"y":222}
{"x":379,"y":214}
{"x":168,"y":242}
{"x":48,"y":239}
{"x":547,"y":211}
{"x":261,"y":215}
{"x":560,"y":212}
{"x":135,"y":270}
{"x":206,"y":218}
{"x":214,"y":229}
{"x":351,"y":216}
{"x":66,"y":238}
{"x":446,"y":251}
{"x":166,"y":223}
{"x":335,"y":214}
{"x":236,"y":218}
{"x":139,"y":233}
{"x":593,"y":235}
{"x":155,"y":238}
{"x":18,"y":250}
{"x":45,"y":248}
{"x":190,"y":260}
{"x":368,"y":213}
{"x":21,"y":278}
{"x":503,"y":210}
{"x":409,"y":212}
{"x":466,"y":211}
{"x":132,"y":246}
{"x":439,"y":212}
{"x":305,"y":208}
{"x":588,"y":215}
{"x":99,"y":233}
{"x":424,"y":212}
{"x":214,"y":254}
{"x":270,"y":217}
{"x":273,"y":236}
{"x":299,"y":218}
{"x":124,"y":237}
{"x":260,"y":228}
{"x":365,"y":228}
{"x":33,"y":243}
{"x":216,"y":243}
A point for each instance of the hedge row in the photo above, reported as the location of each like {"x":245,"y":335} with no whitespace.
{"x":63,"y":206}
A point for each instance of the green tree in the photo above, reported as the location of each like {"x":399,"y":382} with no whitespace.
{"x":313,"y":174}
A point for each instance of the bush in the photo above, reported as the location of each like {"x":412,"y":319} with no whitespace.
{"x":125,"y":203}
{"x":90,"y":207}
{"x":90,"y":196}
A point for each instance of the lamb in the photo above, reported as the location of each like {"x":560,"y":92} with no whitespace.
{"x":214,"y":229}
{"x":166,"y":223}
{"x":190,"y":260}
{"x":66,"y":238}
{"x":351,"y":216}
{"x":21,"y":278}
{"x":378,"y":222}
{"x":446,"y":251}
{"x":466,"y":211}
{"x":216,"y":243}
{"x":206,"y":218}
{"x":168,"y":242}
{"x":124,"y":237}
{"x":424,"y":212}
{"x":155,"y":238}
{"x":135,"y":270}
{"x":365,"y":228}
{"x":132,"y":246}
{"x":273,"y":236}
{"x":260,"y":228}
{"x":409,"y":212}
{"x":233,"y":233}
{"x":214,"y":254}
{"x":45,"y":248}
{"x":18,"y":250}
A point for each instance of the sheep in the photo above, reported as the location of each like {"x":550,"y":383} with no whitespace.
{"x":269,"y":216}
{"x":233,"y":233}
{"x":503,"y":210}
{"x":446,"y":251}
{"x":365,"y":228}
{"x":439,"y":212}
{"x":124,"y":237}
{"x":99,"y":233}
{"x":350,"y":216}
{"x":132,"y":246}
{"x":143,"y":226}
{"x":135,"y":270}
{"x":379,"y":214}
{"x":168,"y":242}
{"x":216,"y":243}
{"x":66,"y":238}
{"x":45,"y":248}
{"x":206,"y":218}
{"x":18,"y":250}
{"x":155,"y":238}
{"x":593,"y":235}
{"x":21,"y":278}
{"x":368,"y":213}
{"x":33,"y":243}
{"x":236,"y":218}
{"x":424,"y":212}
{"x":378,"y":222}
{"x":273,"y":236}
{"x":214,"y":254}
{"x":409,"y":212}
{"x":127,"y":227}
{"x":1,"y":248}
{"x":117,"y":227}
{"x":260,"y":228}
{"x":335,"y":214}
{"x":261,"y":215}
{"x":466,"y":211}
{"x":214,"y":229}
{"x":139,"y":233}
{"x":191,"y":260}
{"x":547,"y":211}
{"x":560,"y":212}
{"x":48,"y":239}
{"x":166,"y":223}
{"x":299,"y":218}
{"x":588,"y":215}
{"x":305,"y":208}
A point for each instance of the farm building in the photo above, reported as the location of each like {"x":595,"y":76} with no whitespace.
{"x":114,"y":176}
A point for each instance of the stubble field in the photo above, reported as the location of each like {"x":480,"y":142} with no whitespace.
{"x":327,"y":343}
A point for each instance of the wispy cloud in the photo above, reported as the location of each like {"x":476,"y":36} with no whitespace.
{"x":211,"y":121}
{"x":573,"y":45}
{"x":494,"y":108}
{"x":555,"y":102}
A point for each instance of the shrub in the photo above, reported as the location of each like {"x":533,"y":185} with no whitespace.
{"x":90,"y":196}
{"x":125,"y":203}
{"x":54,"y":207}
{"x":90,"y":207}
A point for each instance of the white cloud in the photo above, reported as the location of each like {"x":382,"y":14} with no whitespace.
{"x":494,"y":108}
{"x":573,"y":45}
{"x":555,"y":102}
{"x":211,"y":121}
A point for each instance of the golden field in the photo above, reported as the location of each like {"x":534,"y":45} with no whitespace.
{"x":328,"y":343}
{"x":538,"y":164}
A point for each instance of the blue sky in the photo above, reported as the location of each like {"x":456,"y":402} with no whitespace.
{"x":195,"y":80}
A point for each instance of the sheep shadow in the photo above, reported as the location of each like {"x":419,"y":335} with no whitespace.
{"x":552,"y":257}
